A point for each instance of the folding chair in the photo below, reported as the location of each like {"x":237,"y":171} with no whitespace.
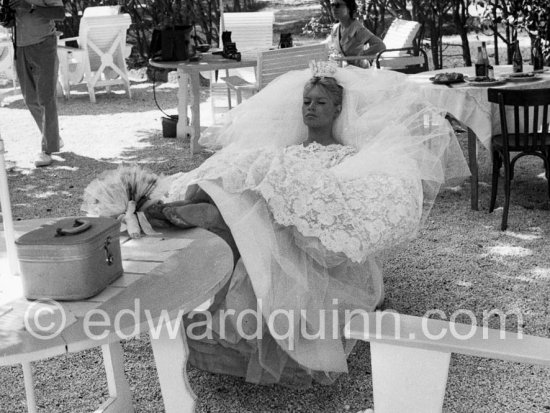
{"x":401,"y":39}
{"x":251,"y":32}
{"x":273,"y":63}
{"x":408,"y":64}
{"x":99,"y":60}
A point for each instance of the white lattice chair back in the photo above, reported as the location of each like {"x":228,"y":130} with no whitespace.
{"x":100,"y":59}
{"x":104,"y":39}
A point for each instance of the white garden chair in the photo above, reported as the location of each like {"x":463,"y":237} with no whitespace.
{"x":401,"y":39}
{"x":274,"y":63}
{"x":99,"y":60}
{"x":251,"y":32}
{"x":403,"y":35}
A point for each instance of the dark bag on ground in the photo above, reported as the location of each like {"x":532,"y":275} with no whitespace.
{"x":285,"y":40}
{"x":171,"y":44}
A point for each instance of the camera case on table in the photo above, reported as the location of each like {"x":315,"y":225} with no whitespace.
{"x":229,"y":48}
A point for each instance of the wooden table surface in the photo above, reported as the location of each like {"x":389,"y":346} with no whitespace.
{"x":164,"y":278}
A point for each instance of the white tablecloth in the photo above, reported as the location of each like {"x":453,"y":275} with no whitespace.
{"x":469,"y":103}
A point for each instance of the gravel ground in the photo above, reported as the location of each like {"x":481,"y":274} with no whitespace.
{"x":460,"y":261}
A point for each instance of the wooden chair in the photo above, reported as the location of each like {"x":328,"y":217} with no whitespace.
{"x":401,"y":39}
{"x":524,"y":129}
{"x":410,"y":356}
{"x":99,"y":60}
{"x":273,"y":63}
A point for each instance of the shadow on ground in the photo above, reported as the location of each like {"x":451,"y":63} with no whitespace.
{"x":61,"y":186}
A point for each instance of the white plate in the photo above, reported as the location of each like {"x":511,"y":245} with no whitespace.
{"x":496,"y":82}
{"x":516,"y":78}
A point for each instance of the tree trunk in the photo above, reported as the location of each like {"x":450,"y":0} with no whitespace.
{"x":460,"y":18}
{"x":435,"y":43}
{"x":495,"y":36}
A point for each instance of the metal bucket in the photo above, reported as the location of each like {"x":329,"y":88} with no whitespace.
{"x":169,"y":126}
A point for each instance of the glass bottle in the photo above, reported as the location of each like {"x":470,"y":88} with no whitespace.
{"x":490,"y":72}
{"x":485,"y":56}
{"x":484,"y":53}
{"x":517,"y":60}
{"x":481,"y":67}
{"x":537,"y":59}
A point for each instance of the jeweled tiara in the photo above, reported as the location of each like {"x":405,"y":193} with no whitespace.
{"x":323,"y":68}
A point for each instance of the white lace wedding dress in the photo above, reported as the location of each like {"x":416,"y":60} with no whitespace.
{"x":310,"y":221}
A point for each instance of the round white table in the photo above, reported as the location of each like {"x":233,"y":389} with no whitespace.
{"x":165,"y":277}
{"x":469,"y":104}
{"x":188,"y":75}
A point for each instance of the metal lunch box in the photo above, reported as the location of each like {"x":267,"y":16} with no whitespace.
{"x":70,"y":259}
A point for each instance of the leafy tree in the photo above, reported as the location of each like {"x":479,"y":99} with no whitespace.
{"x":431,"y":13}
{"x":531,"y":16}
{"x":461,"y":17}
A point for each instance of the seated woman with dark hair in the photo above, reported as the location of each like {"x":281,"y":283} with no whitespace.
{"x":349,"y":37}
{"x":308,"y":200}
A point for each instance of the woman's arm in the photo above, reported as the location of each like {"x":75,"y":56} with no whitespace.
{"x":376,"y":45}
{"x":356,"y":46}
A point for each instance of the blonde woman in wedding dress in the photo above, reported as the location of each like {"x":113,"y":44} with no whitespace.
{"x":316,"y":177}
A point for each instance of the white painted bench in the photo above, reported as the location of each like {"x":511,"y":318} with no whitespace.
{"x":410,"y":356}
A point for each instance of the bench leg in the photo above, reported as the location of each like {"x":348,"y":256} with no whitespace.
{"x":228,"y":91}
{"x":120,"y":395}
{"x":195,"y":112}
{"x":171,"y":353}
{"x":183,"y":128}
{"x":472,"y":160}
{"x":408,"y":379}
{"x":29,"y":387}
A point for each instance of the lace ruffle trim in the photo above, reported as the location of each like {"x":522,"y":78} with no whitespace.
{"x":356,"y":217}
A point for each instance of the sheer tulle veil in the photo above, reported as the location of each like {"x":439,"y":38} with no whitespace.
{"x":383,"y":115}
{"x":405,"y":150}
